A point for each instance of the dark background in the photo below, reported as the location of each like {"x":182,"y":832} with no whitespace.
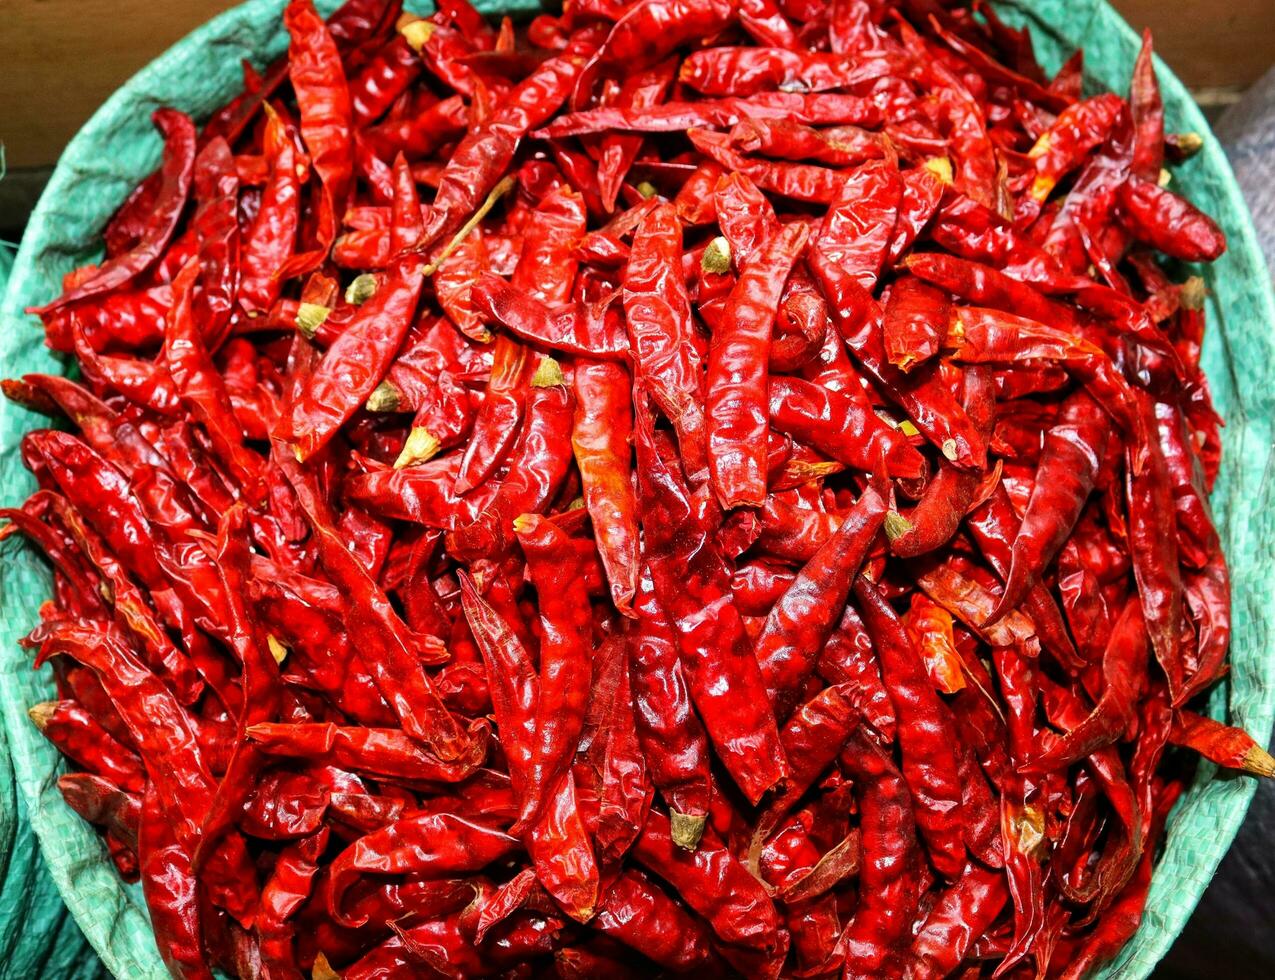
{"x":1220,"y":50}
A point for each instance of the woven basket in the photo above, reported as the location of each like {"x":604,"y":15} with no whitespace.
{"x":37,"y":937}
{"x":118,"y":147}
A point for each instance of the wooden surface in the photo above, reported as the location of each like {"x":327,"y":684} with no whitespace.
{"x":59,"y":59}
{"x":1209,"y":43}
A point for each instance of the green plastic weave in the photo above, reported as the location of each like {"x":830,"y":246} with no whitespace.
{"x":118,"y":147}
{"x":37,"y":936}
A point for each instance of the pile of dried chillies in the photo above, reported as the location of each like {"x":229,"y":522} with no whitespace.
{"x":686,"y":486}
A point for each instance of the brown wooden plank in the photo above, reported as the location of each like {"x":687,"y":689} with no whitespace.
{"x":1209,"y":43}
{"x":61,"y":59}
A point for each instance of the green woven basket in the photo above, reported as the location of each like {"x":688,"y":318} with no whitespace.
{"x":37,"y":937}
{"x":118,"y":147}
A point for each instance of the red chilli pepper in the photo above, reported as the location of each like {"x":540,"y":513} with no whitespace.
{"x":736,"y":411}
{"x":175,"y":177}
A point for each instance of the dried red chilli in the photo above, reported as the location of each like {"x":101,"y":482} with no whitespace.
{"x":165,"y":210}
{"x":558,"y":499}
